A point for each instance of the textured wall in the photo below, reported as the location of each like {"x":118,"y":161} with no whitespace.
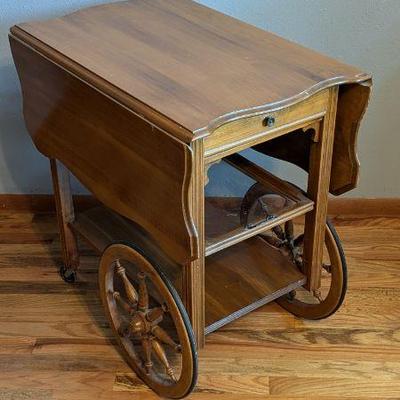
{"x":361,"y":32}
{"x":22,"y":168}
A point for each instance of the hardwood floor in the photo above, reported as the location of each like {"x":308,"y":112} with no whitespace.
{"x":55,"y":342}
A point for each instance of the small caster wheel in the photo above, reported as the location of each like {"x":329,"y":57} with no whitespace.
{"x":67,"y":274}
{"x":291,"y":296}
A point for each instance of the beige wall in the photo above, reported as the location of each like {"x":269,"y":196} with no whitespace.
{"x":361,"y":32}
{"x":365,"y":33}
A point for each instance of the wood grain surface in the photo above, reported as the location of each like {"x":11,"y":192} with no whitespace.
{"x":126,"y":163}
{"x":187,"y":63}
{"x":244,"y":277}
{"x":55,"y":342}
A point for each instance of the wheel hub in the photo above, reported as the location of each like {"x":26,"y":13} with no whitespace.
{"x":139,"y":325}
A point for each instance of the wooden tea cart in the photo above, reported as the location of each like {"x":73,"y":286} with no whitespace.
{"x":143,"y":101}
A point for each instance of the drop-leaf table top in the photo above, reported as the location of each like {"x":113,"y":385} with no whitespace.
{"x":184,"y":65}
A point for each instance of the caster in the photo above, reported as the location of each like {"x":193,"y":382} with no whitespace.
{"x":67,"y":274}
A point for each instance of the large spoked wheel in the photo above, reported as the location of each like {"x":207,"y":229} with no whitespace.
{"x":325,"y":301}
{"x":259,"y":205}
{"x":149,"y":320}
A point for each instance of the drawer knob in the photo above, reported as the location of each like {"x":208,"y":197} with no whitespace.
{"x":269,"y":121}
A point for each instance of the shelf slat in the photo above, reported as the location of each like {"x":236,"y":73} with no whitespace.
{"x":236,"y":235}
{"x":244,"y":277}
{"x":224,"y":227}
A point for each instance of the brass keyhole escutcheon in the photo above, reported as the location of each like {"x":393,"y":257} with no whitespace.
{"x":269,"y":121}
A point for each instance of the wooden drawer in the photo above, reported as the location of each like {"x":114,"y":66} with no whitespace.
{"x":244,"y":132}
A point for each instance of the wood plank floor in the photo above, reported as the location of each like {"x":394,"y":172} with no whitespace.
{"x":55,"y":342}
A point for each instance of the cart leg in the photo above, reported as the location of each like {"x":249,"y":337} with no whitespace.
{"x":193,"y":297}
{"x":193,"y":273}
{"x":65,"y":215}
{"x":318,"y":188}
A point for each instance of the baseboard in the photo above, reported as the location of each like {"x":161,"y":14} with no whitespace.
{"x":39,"y":203}
{"x":358,"y":206}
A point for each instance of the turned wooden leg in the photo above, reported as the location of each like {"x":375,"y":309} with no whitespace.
{"x":65,"y":215}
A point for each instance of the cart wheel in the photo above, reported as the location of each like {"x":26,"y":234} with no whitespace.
{"x":323,"y":302}
{"x":149,"y":320}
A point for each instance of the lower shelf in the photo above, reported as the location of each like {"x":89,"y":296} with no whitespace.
{"x":244,"y":277}
{"x":101,"y":227}
{"x":238,"y":279}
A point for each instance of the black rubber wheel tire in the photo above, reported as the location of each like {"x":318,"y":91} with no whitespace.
{"x":338,"y":242}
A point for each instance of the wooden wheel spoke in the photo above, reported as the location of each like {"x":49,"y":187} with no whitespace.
{"x":155,"y":315}
{"x":164,"y":337}
{"x":147,"y":350}
{"x":143,"y":293}
{"x":272,"y":240}
{"x":318,"y":295}
{"x":299,"y":241}
{"x":160,"y":353}
{"x":278,"y":231}
{"x":298,"y":259}
{"x":289,"y":231}
{"x":298,"y":254}
{"x":130,"y":291}
{"x":123,"y":304}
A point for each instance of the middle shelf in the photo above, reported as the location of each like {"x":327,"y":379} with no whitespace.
{"x":266,"y":201}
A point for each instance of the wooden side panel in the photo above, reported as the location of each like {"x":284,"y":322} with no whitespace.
{"x":295,"y":147}
{"x":352,"y":103}
{"x":130,"y":165}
